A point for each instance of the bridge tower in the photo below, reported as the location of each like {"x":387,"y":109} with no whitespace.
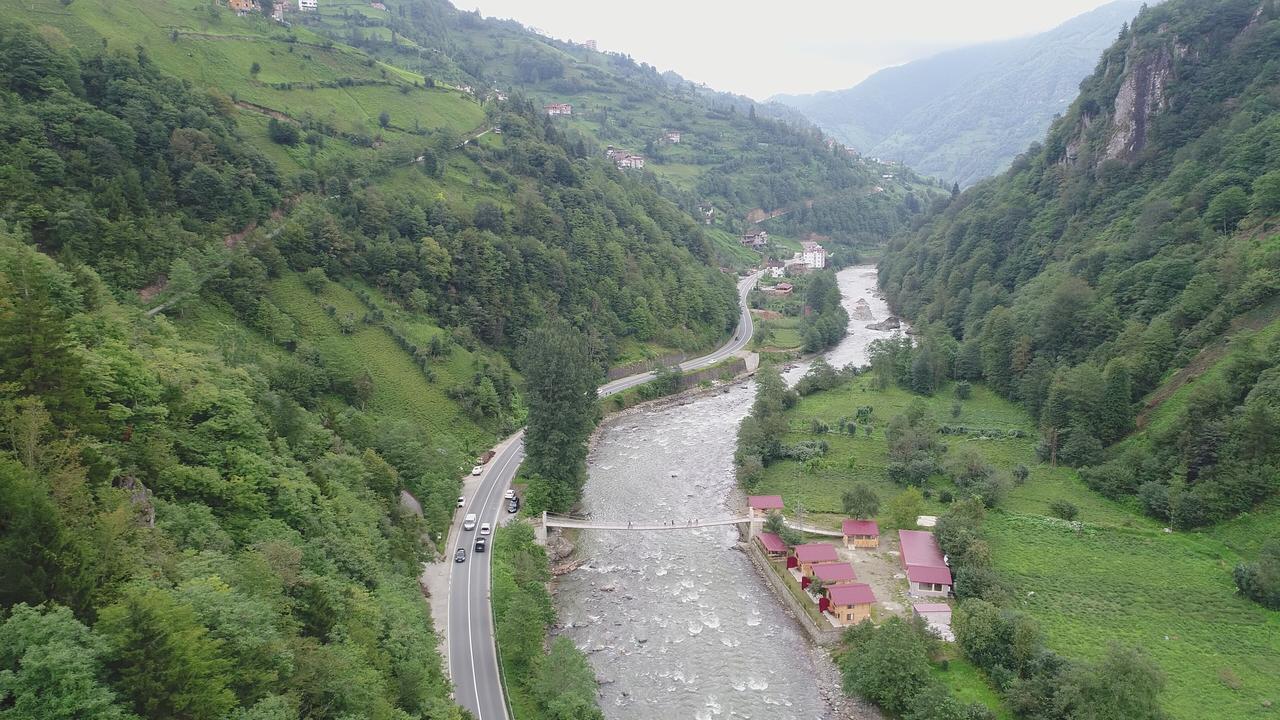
{"x":540,"y":530}
{"x":755,"y":523}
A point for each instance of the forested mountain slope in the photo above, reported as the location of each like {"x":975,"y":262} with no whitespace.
{"x":254,"y":286}
{"x":1138,"y":233}
{"x":964,"y":114}
{"x":731,"y":155}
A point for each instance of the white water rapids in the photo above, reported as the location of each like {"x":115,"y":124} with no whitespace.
{"x":676,"y":623}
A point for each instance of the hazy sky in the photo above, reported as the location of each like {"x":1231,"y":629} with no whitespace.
{"x":761,"y":48}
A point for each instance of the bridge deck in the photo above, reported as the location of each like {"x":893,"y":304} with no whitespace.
{"x":688,"y":524}
{"x":642,"y":525}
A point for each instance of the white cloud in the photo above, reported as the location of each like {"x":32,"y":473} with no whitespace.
{"x":761,"y":48}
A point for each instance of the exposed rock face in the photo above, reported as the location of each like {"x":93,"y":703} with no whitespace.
{"x":140,"y":497}
{"x":889,"y":323}
{"x":558,"y":547}
{"x":1141,"y":98}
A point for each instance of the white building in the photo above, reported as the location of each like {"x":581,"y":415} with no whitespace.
{"x":628,"y":160}
{"x":672,"y":136}
{"x":813,"y":254}
{"x":308,"y":5}
{"x":554,"y":109}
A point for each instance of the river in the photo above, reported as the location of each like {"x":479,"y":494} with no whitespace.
{"x":677,"y":624}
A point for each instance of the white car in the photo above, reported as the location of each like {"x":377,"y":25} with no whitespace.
{"x":510,"y":493}
{"x":477,"y":470}
{"x":469,"y":522}
{"x":485,"y":529}
{"x":461,"y":501}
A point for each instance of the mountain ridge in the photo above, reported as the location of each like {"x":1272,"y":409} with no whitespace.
{"x":923,"y":112}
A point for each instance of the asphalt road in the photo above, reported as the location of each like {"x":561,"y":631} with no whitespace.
{"x":473,"y":660}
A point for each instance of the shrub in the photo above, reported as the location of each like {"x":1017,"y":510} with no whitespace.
{"x":1260,"y":581}
{"x":963,"y":390}
{"x":1064,"y":509}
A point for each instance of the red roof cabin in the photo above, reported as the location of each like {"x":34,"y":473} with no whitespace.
{"x":762,"y":505}
{"x":848,"y":603}
{"x":834,"y":573}
{"x":810,"y":554}
{"x":772,"y":544}
{"x":927,"y":571}
{"x":860,"y":533}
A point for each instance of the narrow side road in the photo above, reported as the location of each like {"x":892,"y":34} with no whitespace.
{"x":472,"y":656}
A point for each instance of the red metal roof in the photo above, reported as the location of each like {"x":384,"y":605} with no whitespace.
{"x":851,"y":594}
{"x":926,"y":574}
{"x":772,"y":543}
{"x":860,"y":527}
{"x":834,"y":572}
{"x":919,"y":548}
{"x":816,"y":553}
{"x":765,"y":502}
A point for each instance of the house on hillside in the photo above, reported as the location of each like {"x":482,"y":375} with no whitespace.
{"x":927,"y":571}
{"x":848,"y":603}
{"x":308,"y":5}
{"x":240,"y":7}
{"x":782,"y":289}
{"x":671,"y":136}
{"x":799,"y":268}
{"x":590,"y":45}
{"x":774,"y":268}
{"x":762,"y":505}
{"x":277,"y":12}
{"x":804,"y":557}
{"x":378,"y":6}
{"x":708,"y":213}
{"x":755,"y":240}
{"x":554,"y":109}
{"x":773,"y":545}
{"x":860,"y":533}
{"x":813,"y":254}
{"x":623,"y":158}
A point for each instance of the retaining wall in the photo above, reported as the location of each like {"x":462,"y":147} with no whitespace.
{"x":819,"y":635}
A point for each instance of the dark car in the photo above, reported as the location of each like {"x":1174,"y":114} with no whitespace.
{"x":480,"y":542}
{"x":461,"y":555}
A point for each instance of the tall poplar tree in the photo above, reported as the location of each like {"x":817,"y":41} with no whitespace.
{"x":560,"y":387}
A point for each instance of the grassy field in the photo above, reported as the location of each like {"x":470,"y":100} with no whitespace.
{"x":1119,"y":578}
{"x":731,"y":251}
{"x":217,"y":50}
{"x":967,"y":682}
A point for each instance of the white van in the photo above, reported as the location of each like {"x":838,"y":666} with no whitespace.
{"x":469,"y":522}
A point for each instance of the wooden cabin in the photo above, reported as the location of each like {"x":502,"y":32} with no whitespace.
{"x":860,"y":533}
{"x":806,"y":556}
{"x":834,"y":573}
{"x":847,"y":603}
{"x":773,"y":545}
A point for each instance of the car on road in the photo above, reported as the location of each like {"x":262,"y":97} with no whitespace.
{"x":511,"y":493}
{"x":477,"y":470}
{"x":461,"y":555}
{"x":469,"y":522}
{"x":485,"y":529}
{"x":480,"y":543}
{"x":461,"y":501}
{"x":513,"y":505}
